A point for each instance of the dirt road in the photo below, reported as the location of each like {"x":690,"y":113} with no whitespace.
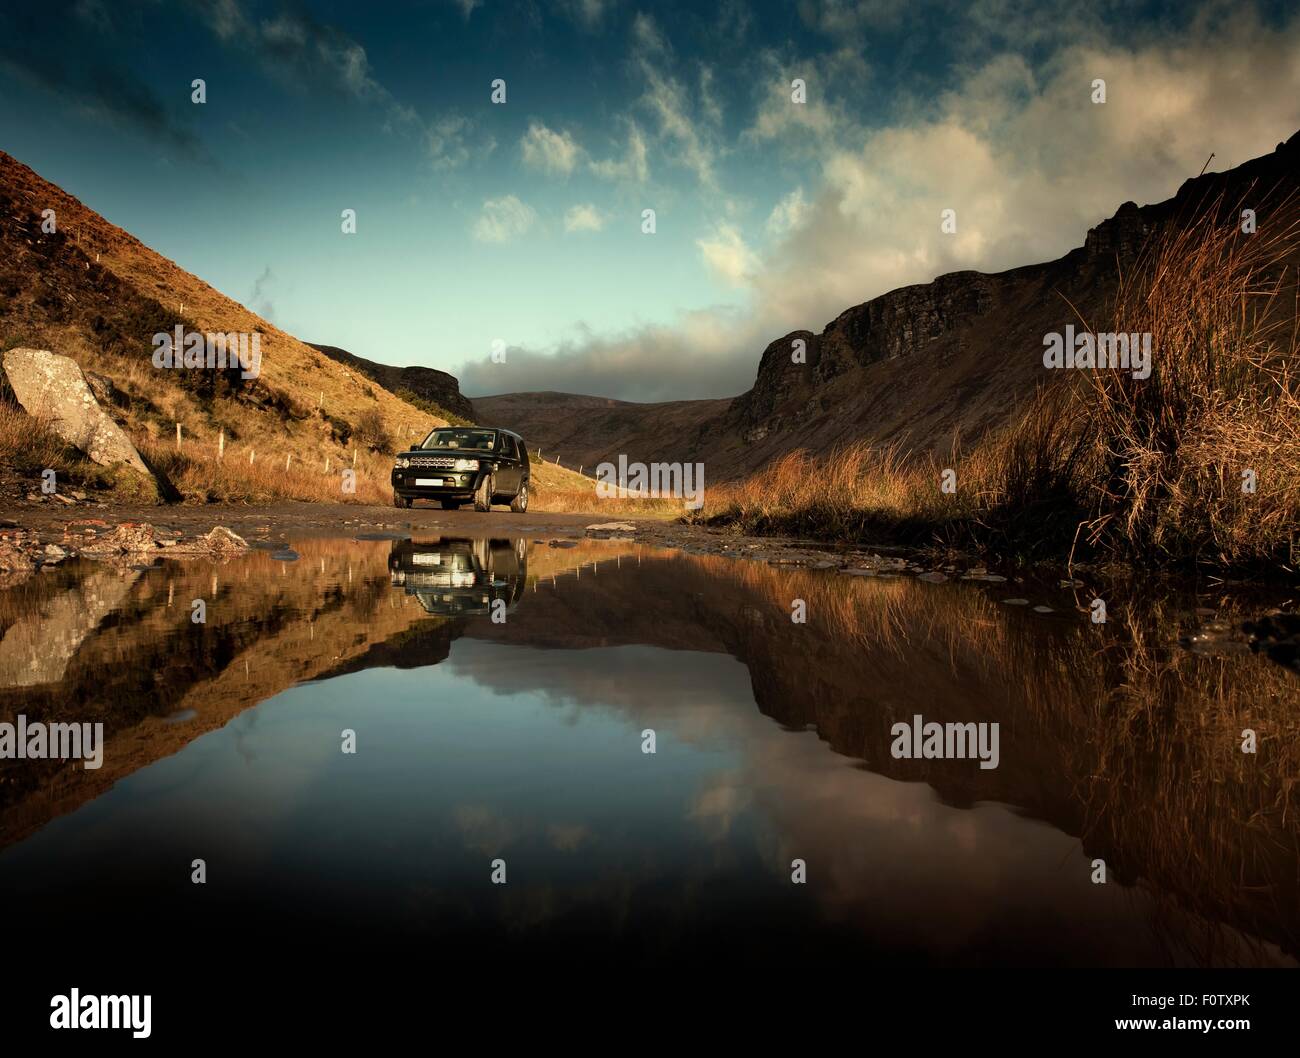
{"x":297,"y":519}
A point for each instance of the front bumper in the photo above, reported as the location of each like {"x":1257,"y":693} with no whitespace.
{"x":451,"y":484}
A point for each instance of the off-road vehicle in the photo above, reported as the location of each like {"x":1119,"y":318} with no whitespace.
{"x":464,"y":464}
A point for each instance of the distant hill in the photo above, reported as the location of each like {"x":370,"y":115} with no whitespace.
{"x":583,"y":431}
{"x":436,"y":387}
{"x":917,"y":366}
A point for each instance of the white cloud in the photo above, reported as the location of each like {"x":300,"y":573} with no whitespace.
{"x":549,"y":151}
{"x":727,"y":255}
{"x":1025,"y":158}
{"x":669,"y":103}
{"x":445,"y":142}
{"x":588,"y":14}
{"x":584,"y":217}
{"x":787,"y":214}
{"x":503,"y":219}
{"x":633,"y":166}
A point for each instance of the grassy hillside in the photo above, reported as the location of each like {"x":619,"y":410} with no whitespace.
{"x":93,"y":292}
{"x":1198,"y":464}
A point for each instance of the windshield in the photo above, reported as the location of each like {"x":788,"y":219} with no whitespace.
{"x":458,"y":437}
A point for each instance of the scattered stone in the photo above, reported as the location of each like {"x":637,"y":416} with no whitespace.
{"x":287,"y":555}
{"x":1043,"y":609}
{"x":1016,"y":602}
{"x":53,"y":554}
{"x":933,"y":577}
{"x":564,"y":543}
{"x":128,"y":538}
{"x":621,"y":527}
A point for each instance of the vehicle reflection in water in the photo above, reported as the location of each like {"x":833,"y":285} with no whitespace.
{"x":460,"y":577}
{"x":522,"y":740}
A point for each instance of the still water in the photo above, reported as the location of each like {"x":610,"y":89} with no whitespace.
{"x":514,"y":748}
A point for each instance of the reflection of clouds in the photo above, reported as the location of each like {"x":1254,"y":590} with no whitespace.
{"x":693,"y":694}
{"x":567,"y":837}
{"x":483,"y":828}
{"x":886,"y":858}
{"x":718,"y":805}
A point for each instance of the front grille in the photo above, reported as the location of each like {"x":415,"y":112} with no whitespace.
{"x":433,"y":462}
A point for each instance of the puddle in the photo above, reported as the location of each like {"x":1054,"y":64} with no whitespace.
{"x":500,"y":693}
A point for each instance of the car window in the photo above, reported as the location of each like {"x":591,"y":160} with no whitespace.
{"x":512,"y":450}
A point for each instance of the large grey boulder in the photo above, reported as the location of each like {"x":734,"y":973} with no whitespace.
{"x":53,"y":387}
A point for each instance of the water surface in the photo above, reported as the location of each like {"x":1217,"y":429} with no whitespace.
{"x":500,"y":693}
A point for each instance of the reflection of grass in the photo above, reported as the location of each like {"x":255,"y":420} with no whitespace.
{"x":1110,"y":731}
{"x":1147,"y":469}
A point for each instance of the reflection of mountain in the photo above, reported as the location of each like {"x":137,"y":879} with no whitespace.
{"x":1106,"y":733}
{"x":269,"y":625}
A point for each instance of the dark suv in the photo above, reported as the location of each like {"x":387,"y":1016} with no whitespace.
{"x":460,"y":464}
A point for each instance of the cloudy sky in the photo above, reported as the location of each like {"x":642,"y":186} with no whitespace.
{"x":521,"y":223}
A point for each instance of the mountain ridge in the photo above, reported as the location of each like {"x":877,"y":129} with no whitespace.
{"x":909,"y":367}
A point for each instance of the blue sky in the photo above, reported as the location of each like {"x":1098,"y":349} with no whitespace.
{"x":522,"y":222}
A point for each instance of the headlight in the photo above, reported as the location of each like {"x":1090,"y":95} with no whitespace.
{"x":466,"y":464}
{"x":403,"y":463}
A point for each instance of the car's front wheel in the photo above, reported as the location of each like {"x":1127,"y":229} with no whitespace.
{"x":520,"y":503}
{"x":402,"y":501}
{"x":483,"y":494}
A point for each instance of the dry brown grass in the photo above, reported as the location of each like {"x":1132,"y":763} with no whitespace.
{"x":202,"y":477}
{"x":561,"y":490}
{"x":1146,"y":469}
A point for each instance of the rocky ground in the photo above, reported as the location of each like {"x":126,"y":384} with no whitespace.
{"x":42,"y":535}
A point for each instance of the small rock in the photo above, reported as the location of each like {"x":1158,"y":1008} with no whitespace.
{"x":1016,"y":602}
{"x":933,"y":577}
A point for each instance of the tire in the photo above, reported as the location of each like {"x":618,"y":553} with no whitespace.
{"x":451,"y":505}
{"x":401,"y":501}
{"x":520,"y":503}
{"x":483,"y":494}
